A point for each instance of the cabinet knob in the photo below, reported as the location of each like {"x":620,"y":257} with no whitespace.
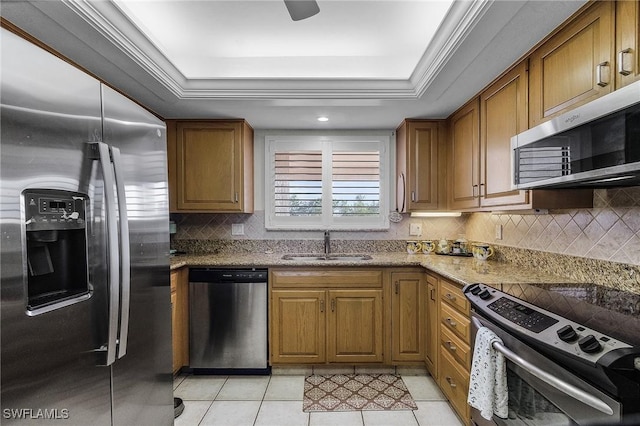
{"x":450,"y":297}
{"x":450,"y":381}
{"x":451,"y":322}
{"x":451,"y":346}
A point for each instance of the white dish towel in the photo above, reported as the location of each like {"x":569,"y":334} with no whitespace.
{"x":488,"y":384}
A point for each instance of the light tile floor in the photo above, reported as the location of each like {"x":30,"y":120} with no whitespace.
{"x":277,"y":401}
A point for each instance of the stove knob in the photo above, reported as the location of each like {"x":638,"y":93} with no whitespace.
{"x":484,"y":295}
{"x":476,"y":290}
{"x":568,"y":334}
{"x":589,"y":344}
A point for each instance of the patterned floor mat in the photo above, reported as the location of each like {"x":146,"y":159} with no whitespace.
{"x":351,"y":392}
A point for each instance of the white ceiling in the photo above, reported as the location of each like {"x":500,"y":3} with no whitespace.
{"x":258,"y":39}
{"x":364,"y":64}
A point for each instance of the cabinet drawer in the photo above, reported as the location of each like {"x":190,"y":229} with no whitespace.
{"x":454,"y":384}
{"x":347,"y":278}
{"x":458,"y":350}
{"x":452,"y":294}
{"x":456,"y":322}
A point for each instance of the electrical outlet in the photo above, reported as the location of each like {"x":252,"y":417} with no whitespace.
{"x":237,"y":229}
{"x":498,"y":232}
{"x":415,"y":229}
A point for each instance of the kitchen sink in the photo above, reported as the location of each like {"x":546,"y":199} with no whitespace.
{"x":340,"y":257}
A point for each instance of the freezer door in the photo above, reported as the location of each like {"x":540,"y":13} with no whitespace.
{"x":49,"y":113}
{"x":142,"y":377}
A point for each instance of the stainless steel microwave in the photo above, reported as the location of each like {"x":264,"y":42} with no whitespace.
{"x":594,"y":145}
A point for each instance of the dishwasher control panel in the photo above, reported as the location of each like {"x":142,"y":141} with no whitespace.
{"x":217,"y":275}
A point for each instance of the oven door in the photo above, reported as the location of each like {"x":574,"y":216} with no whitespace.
{"x":542,"y":392}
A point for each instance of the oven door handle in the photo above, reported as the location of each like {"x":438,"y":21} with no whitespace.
{"x":548,"y":378}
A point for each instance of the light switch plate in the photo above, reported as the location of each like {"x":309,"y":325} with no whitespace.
{"x":415,"y":229}
{"x":237,"y":229}
{"x":498,"y":232}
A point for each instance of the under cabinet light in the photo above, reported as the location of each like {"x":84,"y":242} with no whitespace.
{"x":436,"y":214}
{"x":323,"y":119}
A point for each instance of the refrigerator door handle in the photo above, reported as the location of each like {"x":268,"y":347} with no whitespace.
{"x":125,"y":257}
{"x":113,"y":260}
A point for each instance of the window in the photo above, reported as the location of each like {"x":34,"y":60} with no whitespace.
{"x":315,"y":182}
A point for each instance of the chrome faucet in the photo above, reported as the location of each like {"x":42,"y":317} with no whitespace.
{"x":327,"y":242}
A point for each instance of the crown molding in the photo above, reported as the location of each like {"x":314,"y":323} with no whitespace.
{"x":460,"y":20}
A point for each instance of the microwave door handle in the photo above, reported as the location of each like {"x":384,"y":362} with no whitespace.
{"x":125,"y":255}
{"x":113,"y":259}
{"x":548,"y":378}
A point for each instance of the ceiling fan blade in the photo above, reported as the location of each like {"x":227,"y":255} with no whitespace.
{"x":301,"y":9}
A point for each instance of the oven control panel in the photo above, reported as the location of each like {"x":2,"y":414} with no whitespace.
{"x":524,"y":316}
{"x":537,"y":324}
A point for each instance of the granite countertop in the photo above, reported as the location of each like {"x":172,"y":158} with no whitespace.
{"x":463,"y":270}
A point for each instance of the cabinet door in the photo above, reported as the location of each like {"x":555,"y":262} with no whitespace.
{"x":503,"y":114}
{"x":627,"y":42}
{"x":433,"y":329}
{"x":464,"y":154}
{"x":575,"y":66}
{"x":213,"y":164}
{"x":180,"y":317}
{"x":418,"y":162}
{"x":177,"y":359}
{"x":298,"y":326}
{"x":355,"y":331}
{"x":407,"y":322}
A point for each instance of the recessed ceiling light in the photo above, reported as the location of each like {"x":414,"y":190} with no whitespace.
{"x":323,"y":118}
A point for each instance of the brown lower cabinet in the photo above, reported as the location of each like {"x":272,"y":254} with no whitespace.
{"x":407,"y":316}
{"x":180,"y":317}
{"x":315,"y":322}
{"x":385,"y":316}
{"x":455,"y":352}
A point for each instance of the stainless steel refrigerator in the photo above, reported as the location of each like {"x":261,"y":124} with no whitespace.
{"x":85,"y":314}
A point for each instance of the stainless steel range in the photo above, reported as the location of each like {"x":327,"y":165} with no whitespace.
{"x":572,"y":350}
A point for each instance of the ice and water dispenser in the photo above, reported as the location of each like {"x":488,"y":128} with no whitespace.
{"x":56,"y":249}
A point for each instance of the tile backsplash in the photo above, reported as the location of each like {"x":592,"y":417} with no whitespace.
{"x":201,"y":226}
{"x":610,"y":231}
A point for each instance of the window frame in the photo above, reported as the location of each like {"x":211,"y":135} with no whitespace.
{"x":326,"y":144}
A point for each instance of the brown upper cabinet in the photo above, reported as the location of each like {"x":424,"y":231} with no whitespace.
{"x":503,"y":114}
{"x":418,"y":158}
{"x":576,"y":65}
{"x":210,"y":166}
{"x":627,"y":42}
{"x":464,"y":151}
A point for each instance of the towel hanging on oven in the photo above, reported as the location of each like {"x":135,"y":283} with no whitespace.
{"x":488,"y":383}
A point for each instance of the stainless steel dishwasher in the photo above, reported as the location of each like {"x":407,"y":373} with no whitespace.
{"x":228,"y":321}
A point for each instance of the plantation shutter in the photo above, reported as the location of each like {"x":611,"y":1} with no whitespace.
{"x":298,"y":183}
{"x":316,"y":183}
{"x":355,"y":184}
